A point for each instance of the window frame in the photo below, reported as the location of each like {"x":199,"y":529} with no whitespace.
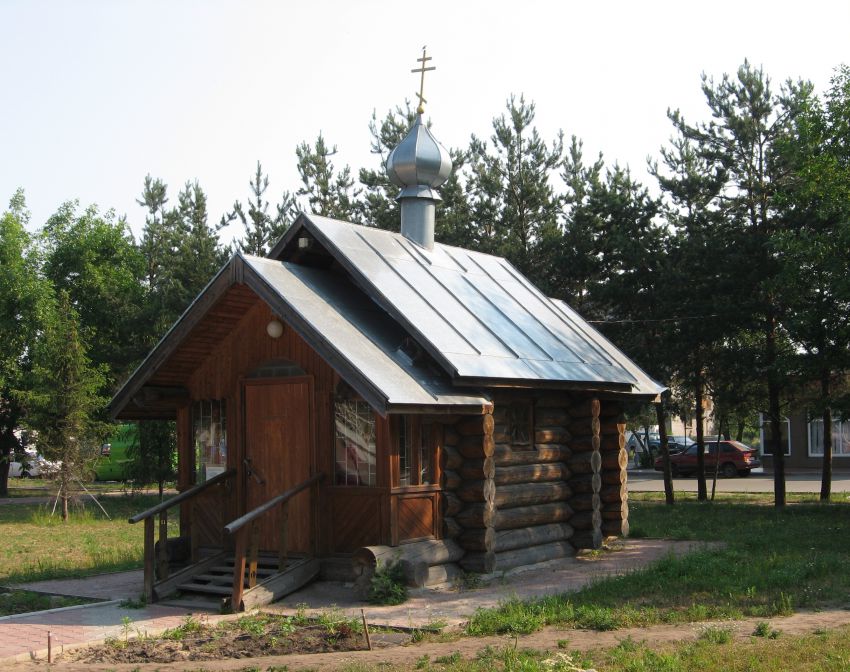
{"x":413,"y":429}
{"x":512,"y":424}
{"x":373,"y":473}
{"x":840,"y":433}
{"x":198,"y":461}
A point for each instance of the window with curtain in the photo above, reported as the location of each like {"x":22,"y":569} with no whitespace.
{"x":840,"y":437}
{"x":415,"y":442}
{"x":355,"y":452}
{"x":209,"y":438}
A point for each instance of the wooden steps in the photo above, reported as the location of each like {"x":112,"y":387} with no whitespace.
{"x":213,"y":578}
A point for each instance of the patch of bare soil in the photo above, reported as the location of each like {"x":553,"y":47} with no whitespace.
{"x":251,"y":637}
{"x":549,"y":639}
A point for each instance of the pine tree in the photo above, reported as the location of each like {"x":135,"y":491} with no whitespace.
{"x":62,"y":400}
{"x":738,"y":144}
{"x":329,"y":193}
{"x":813,"y":243}
{"x":157,"y":236}
{"x":198,"y":254}
{"x":377,"y":206}
{"x":513,"y":199}
{"x":262,"y":229}
{"x":577,"y":271}
{"x":454,"y":225}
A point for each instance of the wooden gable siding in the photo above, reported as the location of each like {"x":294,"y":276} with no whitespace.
{"x":200,"y":343}
{"x":349,"y":517}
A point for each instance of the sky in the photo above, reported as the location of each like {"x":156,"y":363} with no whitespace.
{"x":96,"y":94}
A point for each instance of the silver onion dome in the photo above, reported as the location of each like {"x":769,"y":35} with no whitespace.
{"x":419,"y":163}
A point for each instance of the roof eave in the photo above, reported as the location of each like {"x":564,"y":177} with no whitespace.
{"x":291,"y":233}
{"x":568,"y":385}
{"x":231,"y":273}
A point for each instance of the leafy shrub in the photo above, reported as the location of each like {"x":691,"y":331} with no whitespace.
{"x":388,"y":585}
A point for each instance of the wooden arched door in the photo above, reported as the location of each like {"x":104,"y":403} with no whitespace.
{"x":279,"y":455}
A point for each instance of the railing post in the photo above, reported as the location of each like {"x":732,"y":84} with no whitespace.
{"x":163,"y":545}
{"x":194,"y":532}
{"x":253,"y":553}
{"x":238,"y":572}
{"x":282,"y":548}
{"x":149,"y":559}
{"x":314,"y":518}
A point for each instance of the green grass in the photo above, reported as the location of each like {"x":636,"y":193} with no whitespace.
{"x":770,"y":563}
{"x":24,"y":601}
{"x":37,"y":546}
{"x":828,"y":652}
{"x":30,"y":487}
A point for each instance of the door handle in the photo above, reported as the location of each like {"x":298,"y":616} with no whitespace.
{"x":249,"y":470}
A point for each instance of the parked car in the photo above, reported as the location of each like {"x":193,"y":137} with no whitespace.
{"x":32,"y":465}
{"x":736,"y":459}
{"x":675,"y":444}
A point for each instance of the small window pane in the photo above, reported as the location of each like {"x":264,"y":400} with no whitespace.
{"x":405,"y":451}
{"x":355,"y":451}
{"x":426,"y":454}
{"x":209,"y":436}
{"x":840,"y":437}
{"x":520,"y":419}
{"x":841,"y":432}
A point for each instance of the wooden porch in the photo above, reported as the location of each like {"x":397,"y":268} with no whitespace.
{"x":239,"y":575}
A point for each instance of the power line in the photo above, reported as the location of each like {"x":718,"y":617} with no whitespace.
{"x":662,"y":319}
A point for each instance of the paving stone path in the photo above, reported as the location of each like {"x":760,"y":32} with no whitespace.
{"x":24,"y":636}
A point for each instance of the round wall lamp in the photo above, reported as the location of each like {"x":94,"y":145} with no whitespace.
{"x":274,"y":328}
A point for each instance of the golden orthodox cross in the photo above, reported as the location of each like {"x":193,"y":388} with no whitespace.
{"x":422,"y":69}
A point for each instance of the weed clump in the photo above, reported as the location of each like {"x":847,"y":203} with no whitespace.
{"x":716,"y":635}
{"x":388,"y":585}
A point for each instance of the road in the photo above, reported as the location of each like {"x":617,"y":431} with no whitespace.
{"x":647,"y":480}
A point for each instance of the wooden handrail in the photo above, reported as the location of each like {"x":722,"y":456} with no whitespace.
{"x":246,"y":552}
{"x":183,"y":496}
{"x":240,"y":522}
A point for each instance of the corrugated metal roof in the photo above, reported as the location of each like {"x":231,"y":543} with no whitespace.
{"x":475,"y":313}
{"x":360,"y":333}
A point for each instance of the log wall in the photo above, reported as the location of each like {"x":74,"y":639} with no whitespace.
{"x":614,"y":492}
{"x":469,"y":489}
{"x":585,"y":426}
{"x":532,"y":487}
{"x":509,"y":504}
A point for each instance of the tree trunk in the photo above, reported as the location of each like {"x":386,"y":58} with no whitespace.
{"x":739,"y":434}
{"x":776,"y":445}
{"x":8,"y":445}
{"x":665,"y":452}
{"x":702,"y":493}
{"x":64,"y":485}
{"x":826,"y":472}
{"x":5,"y":459}
{"x":717,"y":460}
